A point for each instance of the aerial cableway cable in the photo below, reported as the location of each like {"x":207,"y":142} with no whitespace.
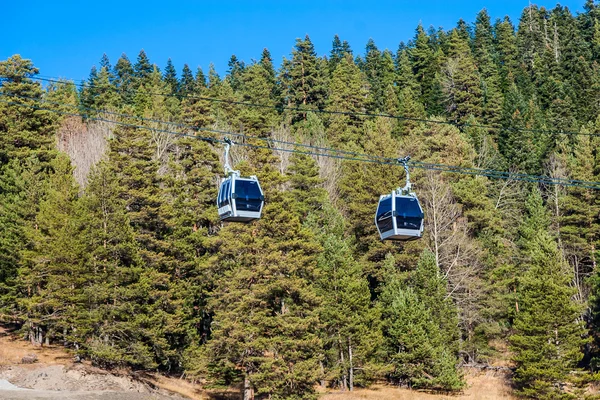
{"x":386,"y":160}
{"x":317,"y":151}
{"x":195,"y":128}
{"x":318,"y":111}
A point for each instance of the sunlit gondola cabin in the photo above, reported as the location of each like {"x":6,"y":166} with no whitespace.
{"x":240,"y":199}
{"x":399,"y":217}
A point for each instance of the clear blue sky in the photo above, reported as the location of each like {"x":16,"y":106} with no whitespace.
{"x":65,"y":38}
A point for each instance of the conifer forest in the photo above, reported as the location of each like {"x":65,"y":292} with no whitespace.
{"x":111,"y":244}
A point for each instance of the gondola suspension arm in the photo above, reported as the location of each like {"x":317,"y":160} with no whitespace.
{"x":228,"y":170}
{"x":408,"y":187}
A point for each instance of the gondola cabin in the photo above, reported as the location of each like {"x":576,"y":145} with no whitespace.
{"x":240,"y":199}
{"x":399,"y":217}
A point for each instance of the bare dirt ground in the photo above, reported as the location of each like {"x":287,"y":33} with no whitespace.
{"x":480,"y":386}
{"x":56,"y":376}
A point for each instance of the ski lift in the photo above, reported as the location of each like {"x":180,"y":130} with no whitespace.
{"x":239,"y":199}
{"x":399,"y":214}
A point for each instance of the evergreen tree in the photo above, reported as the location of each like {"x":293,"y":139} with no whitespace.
{"x":484,"y":52}
{"x":305,"y":77}
{"x":186,"y":85}
{"x":105,"y":63}
{"x":236,"y":69}
{"x":461,"y":82}
{"x":142,"y":69}
{"x":24,"y":131}
{"x":170,"y":77}
{"x":113,"y":325}
{"x":104,"y":94}
{"x":349,"y":94}
{"x":506,"y":52}
{"x":426,"y":64}
{"x":257,"y":86}
{"x":518,"y":141}
{"x":124,"y":79}
{"x":548,"y":335}
{"x":421,"y":329}
{"x":50,"y":274}
{"x":350,"y":332}
{"x":200,"y":78}
{"x":338,"y":50}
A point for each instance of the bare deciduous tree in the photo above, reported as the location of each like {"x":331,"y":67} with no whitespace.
{"x":457,"y":255}
{"x":282,"y":134}
{"x":85,"y":144}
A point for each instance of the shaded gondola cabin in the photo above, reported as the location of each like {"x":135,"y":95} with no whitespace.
{"x":399,"y":217}
{"x":240,"y":199}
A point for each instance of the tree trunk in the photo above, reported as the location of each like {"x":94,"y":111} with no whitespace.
{"x":248,"y":390}
{"x":322,"y":373}
{"x":344,"y":378}
{"x":351,"y":368}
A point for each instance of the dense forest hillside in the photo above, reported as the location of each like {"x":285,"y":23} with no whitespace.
{"x":110,"y":242}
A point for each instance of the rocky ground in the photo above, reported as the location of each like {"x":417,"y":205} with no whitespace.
{"x":49,"y":372}
{"x":76,"y":381}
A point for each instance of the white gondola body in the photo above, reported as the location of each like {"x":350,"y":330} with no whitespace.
{"x":399,"y":217}
{"x":240,"y":199}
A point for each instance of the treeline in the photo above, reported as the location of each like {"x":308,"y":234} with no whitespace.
{"x":110,"y":241}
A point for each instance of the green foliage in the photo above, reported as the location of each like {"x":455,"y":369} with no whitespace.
{"x":548,"y":333}
{"x":419,"y":326}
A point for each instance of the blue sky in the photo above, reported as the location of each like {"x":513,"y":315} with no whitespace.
{"x":65,"y":38}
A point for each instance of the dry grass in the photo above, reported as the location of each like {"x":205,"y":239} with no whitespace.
{"x":13,"y":349}
{"x":481,"y":386}
{"x":179,"y":386}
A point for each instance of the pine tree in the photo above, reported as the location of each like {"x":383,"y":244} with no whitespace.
{"x":50,"y":274}
{"x":196,"y":110}
{"x":379,"y":69}
{"x":186,"y":85}
{"x":518,"y":141}
{"x":350,"y":332}
{"x":338,"y":50}
{"x":200,"y":78}
{"x":235,"y":71}
{"x":24,"y":131}
{"x":506,"y":52}
{"x":548,"y":335}
{"x":349,"y":94}
{"x":305,"y":76}
{"x":124,"y":79}
{"x":142,"y":69}
{"x":105,"y":63}
{"x":421,"y":330}
{"x":112,"y":327}
{"x":405,"y":76}
{"x":21,"y":188}
{"x":257,"y":86}
{"x":170,"y":76}
{"x":426,"y":65}
{"x":484,"y":52}
{"x":104,"y":94}
{"x":461,"y":81}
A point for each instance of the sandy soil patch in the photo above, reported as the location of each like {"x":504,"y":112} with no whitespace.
{"x":481,"y":386}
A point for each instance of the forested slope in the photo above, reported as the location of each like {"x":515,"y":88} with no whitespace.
{"x":110,"y":241}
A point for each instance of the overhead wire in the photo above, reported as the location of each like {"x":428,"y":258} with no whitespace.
{"x":328,"y":149}
{"x":192,"y":127}
{"x":370,"y":159}
{"x":86,"y":84}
